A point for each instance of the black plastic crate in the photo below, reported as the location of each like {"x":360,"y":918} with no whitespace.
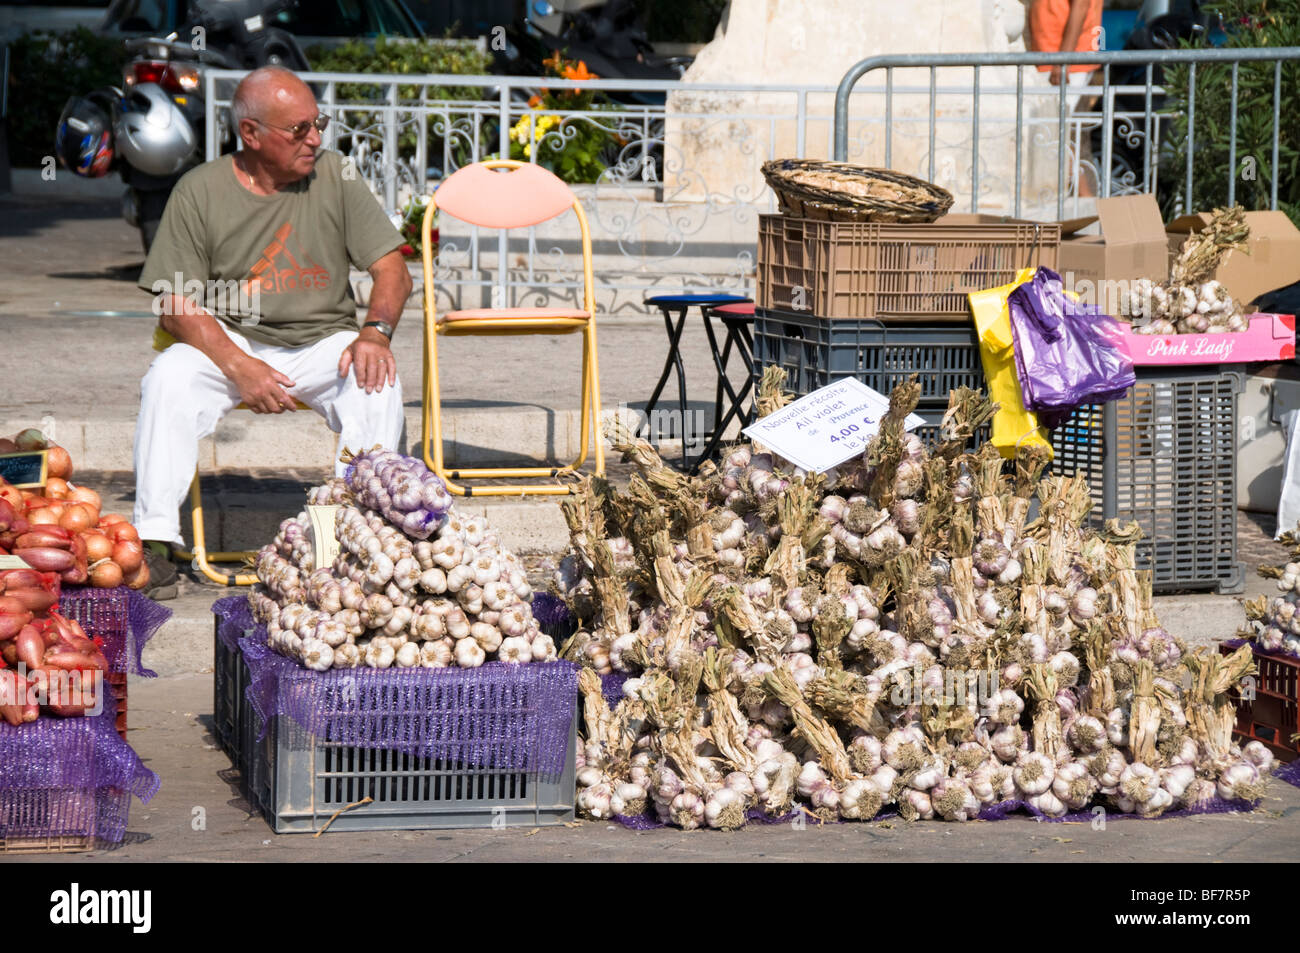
{"x":229,"y":679}
{"x":815,"y":352}
{"x":1165,"y":455}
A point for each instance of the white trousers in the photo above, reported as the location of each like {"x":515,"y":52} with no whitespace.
{"x":184,"y":395}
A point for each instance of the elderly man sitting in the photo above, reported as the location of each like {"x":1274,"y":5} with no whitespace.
{"x":250,"y":269}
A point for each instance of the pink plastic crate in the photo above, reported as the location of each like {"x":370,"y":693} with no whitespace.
{"x":1271,"y":338}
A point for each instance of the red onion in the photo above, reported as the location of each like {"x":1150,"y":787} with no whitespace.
{"x":46,"y":558}
{"x":30,"y":647}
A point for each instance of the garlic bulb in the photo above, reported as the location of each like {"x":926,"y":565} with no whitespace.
{"x":469,"y":654}
{"x":317,"y":655}
{"x":407,"y":656}
{"x":1240,"y":781}
{"x":1258,"y":755}
{"x":515,"y":649}
{"x":1087,"y":734}
{"x":953,"y":800}
{"x":1048,"y":803}
{"x":1008,"y":742}
{"x":1073,"y":785}
{"x":1139,"y":783}
{"x":1034,"y":773}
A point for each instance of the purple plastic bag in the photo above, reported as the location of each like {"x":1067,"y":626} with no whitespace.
{"x":1067,"y":353}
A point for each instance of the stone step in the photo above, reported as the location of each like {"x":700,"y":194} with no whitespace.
{"x":528,"y":436}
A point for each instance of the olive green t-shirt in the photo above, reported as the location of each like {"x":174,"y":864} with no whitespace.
{"x":272,"y":267}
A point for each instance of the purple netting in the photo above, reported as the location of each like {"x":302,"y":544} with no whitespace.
{"x":1004,"y":809}
{"x":556,"y":621}
{"x":1290,"y":773}
{"x":123,"y":618}
{"x":498,"y":716}
{"x":1258,"y":649}
{"x":611,"y":686}
{"x":83,"y":791}
{"x":553,"y":616}
{"x":46,"y":815}
{"x":649,"y":821}
{"x":234,"y":619}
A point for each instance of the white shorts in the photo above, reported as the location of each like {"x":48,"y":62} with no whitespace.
{"x":184,"y":395}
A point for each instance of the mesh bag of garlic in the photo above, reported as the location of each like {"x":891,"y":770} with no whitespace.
{"x":414,"y":585}
{"x":1274,"y":624}
{"x":893,"y":635}
{"x":1191,"y":302}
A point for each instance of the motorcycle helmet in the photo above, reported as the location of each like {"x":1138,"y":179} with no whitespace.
{"x":84,"y":140}
{"x":152,"y":133}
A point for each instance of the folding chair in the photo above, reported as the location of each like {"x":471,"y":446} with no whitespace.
{"x":199,"y":557}
{"x":526,"y":195}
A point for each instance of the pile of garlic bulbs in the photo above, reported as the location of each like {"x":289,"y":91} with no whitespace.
{"x":1206,"y":308}
{"x":390,"y":601}
{"x":897,"y":634}
{"x":1274,"y":624}
{"x":1191,"y":301}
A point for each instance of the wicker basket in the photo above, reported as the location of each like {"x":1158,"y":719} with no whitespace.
{"x":842,"y":192}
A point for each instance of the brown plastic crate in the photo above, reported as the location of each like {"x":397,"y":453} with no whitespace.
{"x":115,"y":682}
{"x":1272,"y":717}
{"x":47,"y":844}
{"x":59,"y":809}
{"x":900,"y":273}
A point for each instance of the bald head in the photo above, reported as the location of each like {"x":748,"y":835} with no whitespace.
{"x":266,"y":91}
{"x":275,"y":114}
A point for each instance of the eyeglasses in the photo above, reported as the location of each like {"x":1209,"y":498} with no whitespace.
{"x":299,"y":131}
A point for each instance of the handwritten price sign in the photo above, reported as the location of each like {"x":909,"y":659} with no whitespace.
{"x":827,"y":427}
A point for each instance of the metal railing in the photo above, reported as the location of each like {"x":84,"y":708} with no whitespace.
{"x":1148,"y":60}
{"x":676,"y":200}
{"x":664,"y":213}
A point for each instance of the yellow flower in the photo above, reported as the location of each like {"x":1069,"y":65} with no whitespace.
{"x":519,"y":132}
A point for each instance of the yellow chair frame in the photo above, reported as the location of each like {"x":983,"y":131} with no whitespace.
{"x":199,"y":558}
{"x":432,"y":400}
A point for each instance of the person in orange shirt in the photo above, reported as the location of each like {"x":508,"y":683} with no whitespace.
{"x":1068,"y":26}
{"x":1065,"y":25}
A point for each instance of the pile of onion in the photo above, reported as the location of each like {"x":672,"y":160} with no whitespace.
{"x":61,"y":528}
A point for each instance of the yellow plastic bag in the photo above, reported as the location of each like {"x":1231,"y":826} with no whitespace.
{"x":1013,"y":425}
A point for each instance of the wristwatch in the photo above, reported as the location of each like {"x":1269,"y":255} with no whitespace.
{"x":382,"y":327}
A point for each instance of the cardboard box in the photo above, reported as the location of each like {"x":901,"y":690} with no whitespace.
{"x":1274,"y":259}
{"x":1132,"y":244}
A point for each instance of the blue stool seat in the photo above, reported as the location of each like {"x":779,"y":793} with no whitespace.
{"x":691,"y":300}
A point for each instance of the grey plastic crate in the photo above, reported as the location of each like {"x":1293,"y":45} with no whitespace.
{"x":815,"y":352}
{"x":300,"y":782}
{"x":1166,"y":456}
